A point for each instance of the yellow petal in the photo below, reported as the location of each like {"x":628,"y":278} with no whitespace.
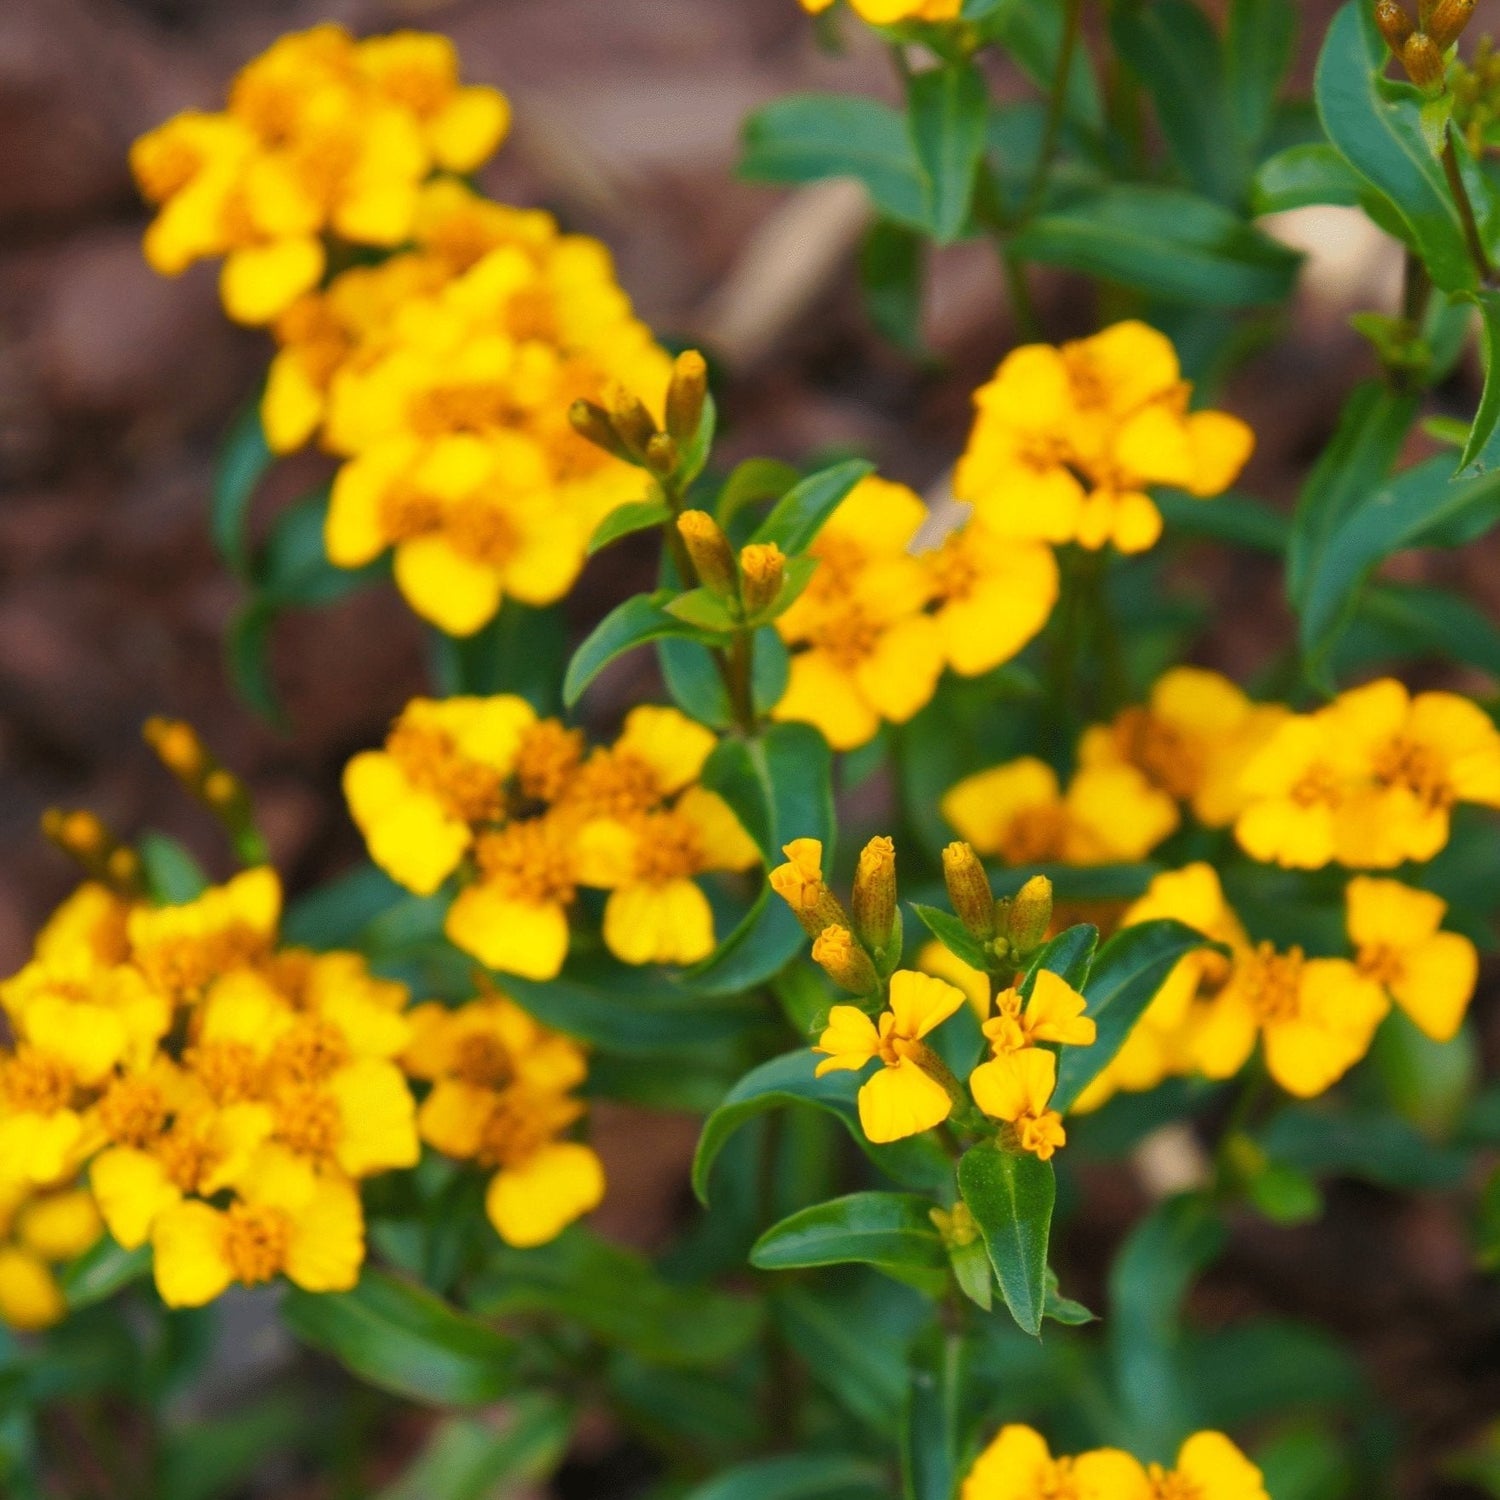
{"x":664,"y":924}
{"x":327,"y":1246}
{"x":721,"y":835}
{"x":1386,"y":913}
{"x":1015,"y":1466}
{"x":1437,"y":983}
{"x":30,"y":1298}
{"x":410,"y":835}
{"x":132,"y":1188}
{"x":534,"y":1201}
{"x":379,"y":1118}
{"x":453,"y":1116}
{"x":444,"y":587}
{"x":921,"y":1002}
{"x":518,"y":937}
{"x":260,"y":282}
{"x":1217,"y":1470}
{"x":901,"y":674}
{"x":469,"y":128}
{"x":819,"y":692}
{"x":60,"y":1226}
{"x":901,"y":1101}
{"x":1015,"y":1083}
{"x":982,"y":807}
{"x":850,"y":1040}
{"x":1221,"y":446}
{"x":673,"y":745}
{"x":187,"y":1244}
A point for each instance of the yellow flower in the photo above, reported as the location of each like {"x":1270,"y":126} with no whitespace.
{"x":1053,"y":1013}
{"x":1430,"y":974}
{"x":1159,"y":1045}
{"x":441,"y":775}
{"x":500,"y":1098}
{"x":1208,"y":1466}
{"x":1018,"y":1465}
{"x":38,"y":1232}
{"x":1315,"y":1016}
{"x":1297,"y":788}
{"x":1067,"y":440}
{"x":1192,"y":739}
{"x":994,"y":594}
{"x":1017,"y":812}
{"x":1016,"y":1087}
{"x":890,"y":12}
{"x":290,"y":1217}
{"x":933,"y":958}
{"x":1418,"y":756}
{"x":900,"y":1099}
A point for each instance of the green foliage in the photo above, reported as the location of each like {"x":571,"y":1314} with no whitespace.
{"x":1011,"y":1197}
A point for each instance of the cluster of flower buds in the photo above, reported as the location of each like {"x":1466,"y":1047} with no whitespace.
{"x":83,"y":838}
{"x":1420,"y":44}
{"x":859,"y":947}
{"x":1476,"y":95}
{"x":1012,"y":928}
{"x":624,"y":427}
{"x":750,"y":583}
{"x":181,"y":750}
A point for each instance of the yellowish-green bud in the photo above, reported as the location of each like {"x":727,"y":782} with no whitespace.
{"x":686,"y":395}
{"x":762,"y":569}
{"x":630,"y":419}
{"x":844,"y":961}
{"x":179,"y":749}
{"x":956,"y":1227}
{"x":1423,"y":60}
{"x":661,"y":455}
{"x":799,"y":882}
{"x":592,"y":423}
{"x":710,"y":551}
{"x":1449,"y":18}
{"x":874,"y":900}
{"x":1394,"y":23}
{"x":969,"y":890}
{"x":1030,"y":915}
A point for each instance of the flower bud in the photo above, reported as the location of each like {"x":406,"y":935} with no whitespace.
{"x":1394,"y":23}
{"x":592,"y":423}
{"x":957,"y":1227}
{"x":686,"y":395}
{"x":710,"y":551}
{"x":1030,"y":915}
{"x":77,"y":833}
{"x":799,"y":882}
{"x":630,"y":419}
{"x":1423,"y":60}
{"x":969,"y":890}
{"x":844,"y":961}
{"x":661,"y":455}
{"x":179,"y":749}
{"x":762,"y":570}
{"x":874,"y":900}
{"x":1449,"y":17}
{"x":122,"y":869}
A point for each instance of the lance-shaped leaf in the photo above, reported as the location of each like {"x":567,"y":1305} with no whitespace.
{"x":1011,"y":1197}
{"x":626,"y":520}
{"x":1304,"y":175}
{"x":103,"y":1270}
{"x":1258,"y":51}
{"x":243,"y":462}
{"x":798,"y":1476}
{"x":798,"y":517}
{"x":636,"y":622}
{"x":892,"y":1231}
{"x":953,"y":935}
{"x":1129,"y":970}
{"x":930,"y":1423}
{"x":1069,"y":954}
{"x":1482,"y":451}
{"x":945,"y":113}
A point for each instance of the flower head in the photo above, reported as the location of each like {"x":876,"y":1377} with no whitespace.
{"x":1016,"y":1087}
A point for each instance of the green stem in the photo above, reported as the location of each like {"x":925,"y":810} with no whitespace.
{"x":1057,"y":99}
{"x":1472,"y":237}
{"x":1022,"y":303}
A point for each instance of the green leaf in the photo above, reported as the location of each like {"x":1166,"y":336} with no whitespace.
{"x":1011,"y":1198}
{"x":1065,"y":1310}
{"x":698,"y":690}
{"x":930,"y":1421}
{"x":1376,"y":124}
{"x":403,"y":1339}
{"x":1162,"y":241}
{"x":1069,"y":954}
{"x":790,"y":1080}
{"x":1285,"y":1195}
{"x":521,"y":650}
{"x":1123,"y":980}
{"x":1235,"y":519}
{"x":802,"y":1476}
{"x":1148,"y":1284}
{"x":1373,"y":1146}
{"x":1410,"y":620}
{"x":1302,"y":176}
{"x":619,"y":1297}
{"x":625,"y":520}
{"x":890,"y":276}
{"x":953,"y":935}
{"x":809,"y":137}
{"x":243,"y":463}
{"x":945,"y":113}
{"x":751,"y":483}
{"x":798,"y":516}
{"x":1422,"y":505}
{"x":1258,"y":52}
{"x":1172,"y":47}
{"x":1033,"y":35}
{"x":173,"y":876}
{"x":292,"y":569}
{"x":102,"y":1271}
{"x":247,"y":654}
{"x":1371,"y":429}
{"x":893,"y":1232}
{"x":638,"y":621}
{"x":471,"y":1458}
{"x":212,"y":1458}
{"x":1482,"y":451}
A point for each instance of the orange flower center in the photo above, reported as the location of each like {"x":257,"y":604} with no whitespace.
{"x":528,"y":861}
{"x":187,"y":1157}
{"x":668,"y":848}
{"x":230,"y":1072}
{"x":1318,"y":784}
{"x":1172,"y":760}
{"x":133,"y":1111}
{"x":406,"y":512}
{"x":482,"y":531}
{"x":548,"y":758}
{"x":613,"y":784}
{"x":256,"y":1241}
{"x":483,"y":1060}
{"x":1382,"y":963}
{"x":1035,"y":835}
{"x":33,"y":1082}
{"x":469,"y":790}
{"x":1418,"y":768}
{"x":955,"y":569}
{"x":1166,"y":1484}
{"x":520,"y":1124}
{"x":308,"y":1120}
{"x":477,"y":406}
{"x":1272,"y":983}
{"x":183,"y":966}
{"x":847,"y":635}
{"x":310,"y":1052}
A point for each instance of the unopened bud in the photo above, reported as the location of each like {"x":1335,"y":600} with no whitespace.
{"x":592,"y":423}
{"x":79,"y":833}
{"x":662,"y":455}
{"x":179,"y":748}
{"x":630,"y":419}
{"x":874,"y":900}
{"x":1449,"y":17}
{"x":799,"y":882}
{"x":1394,"y":23}
{"x":123,"y":869}
{"x":1423,"y":60}
{"x":969,"y":890}
{"x":762,"y":569}
{"x":958,"y":1227}
{"x":223,"y":791}
{"x":844,"y":961}
{"x":686,"y":394}
{"x":1030,"y":915}
{"x":710,"y":551}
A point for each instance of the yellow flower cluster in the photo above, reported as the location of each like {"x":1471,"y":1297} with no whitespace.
{"x":874,"y":629}
{"x":1018,"y":1465}
{"x":181,"y":1058}
{"x":1314,"y":1017}
{"x":1068,"y":440}
{"x":501,"y":1097}
{"x":323,"y":139}
{"x":890,"y":12}
{"x":913,"y":1089}
{"x":1369,"y":781}
{"x":529,"y":814}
